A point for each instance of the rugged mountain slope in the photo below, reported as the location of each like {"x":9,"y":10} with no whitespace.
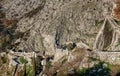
{"x":61,"y":32}
{"x":54,"y":22}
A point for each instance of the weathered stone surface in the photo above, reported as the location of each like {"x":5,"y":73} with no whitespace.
{"x":108,"y":36}
{"x":51,"y":24}
{"x":60,"y":21}
{"x":111,"y":57}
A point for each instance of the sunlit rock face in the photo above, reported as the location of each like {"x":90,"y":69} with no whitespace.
{"x":52,"y":23}
{"x":65,"y":32}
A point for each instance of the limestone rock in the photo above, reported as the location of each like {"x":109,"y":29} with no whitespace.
{"x":52,"y":23}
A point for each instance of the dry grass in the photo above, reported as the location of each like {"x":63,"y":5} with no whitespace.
{"x":115,"y":70}
{"x":117,"y":10}
{"x":19,"y":73}
{"x":7,"y":22}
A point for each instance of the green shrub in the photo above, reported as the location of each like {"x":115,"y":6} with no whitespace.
{"x":70,"y":46}
{"x":82,"y":71}
{"x":117,"y":44}
{"x":4,"y":44}
{"x":22,"y":60}
{"x":29,"y":71}
{"x":4,"y":59}
{"x":96,"y":70}
{"x":97,"y":22}
{"x":48,"y":64}
{"x":118,"y":22}
{"x":6,"y":51}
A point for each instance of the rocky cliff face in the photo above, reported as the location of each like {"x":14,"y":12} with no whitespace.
{"x":52,"y":23}
{"x":61,"y":32}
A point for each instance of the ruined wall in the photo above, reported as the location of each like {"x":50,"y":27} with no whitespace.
{"x":111,"y":57}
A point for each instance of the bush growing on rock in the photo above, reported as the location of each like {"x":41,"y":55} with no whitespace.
{"x":48,"y":64}
{"x":96,"y":70}
{"x":23,"y":60}
{"x":29,"y":71}
{"x":4,"y":59}
{"x":71,"y":46}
